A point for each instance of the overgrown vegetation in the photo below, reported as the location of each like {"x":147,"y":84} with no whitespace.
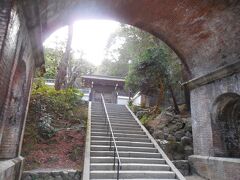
{"x":56,"y":119}
{"x":148,"y":64}
{"x":60,"y":103}
{"x":124,"y":46}
{"x":153,"y":74}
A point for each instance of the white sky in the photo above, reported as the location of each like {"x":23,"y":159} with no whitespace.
{"x":90,"y":36}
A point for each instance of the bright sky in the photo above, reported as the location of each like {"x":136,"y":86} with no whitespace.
{"x":90,"y":36}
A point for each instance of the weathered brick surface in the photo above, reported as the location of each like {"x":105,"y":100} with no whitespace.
{"x":205,"y":34}
{"x":5,"y":9}
{"x":202,"y":99}
{"x":16,"y":69}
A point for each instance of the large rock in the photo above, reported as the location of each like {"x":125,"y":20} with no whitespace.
{"x":176,"y":130}
{"x":182,"y":166}
{"x":186,"y":141}
{"x":188,"y":151}
{"x":158,"y":134}
{"x":179,"y":134}
{"x":174,"y":150}
{"x":141,"y":113}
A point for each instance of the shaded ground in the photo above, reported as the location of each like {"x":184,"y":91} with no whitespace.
{"x":63,"y":150}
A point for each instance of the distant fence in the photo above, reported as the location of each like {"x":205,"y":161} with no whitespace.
{"x":50,"y":82}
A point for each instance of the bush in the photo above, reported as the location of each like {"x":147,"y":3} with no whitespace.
{"x":46,"y":99}
{"x":144,"y":119}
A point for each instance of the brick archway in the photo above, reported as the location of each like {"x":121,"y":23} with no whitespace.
{"x":204,"y":34}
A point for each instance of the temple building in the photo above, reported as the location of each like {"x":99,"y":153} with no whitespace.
{"x":111,"y":87}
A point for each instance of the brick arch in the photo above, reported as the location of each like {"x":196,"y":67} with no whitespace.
{"x":204,"y":34}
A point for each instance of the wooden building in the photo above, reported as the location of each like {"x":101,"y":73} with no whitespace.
{"x":111,"y":87}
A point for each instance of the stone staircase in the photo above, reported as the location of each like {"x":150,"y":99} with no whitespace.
{"x":140,"y":156}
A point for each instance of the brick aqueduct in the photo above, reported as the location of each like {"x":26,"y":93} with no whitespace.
{"x":205,"y":34}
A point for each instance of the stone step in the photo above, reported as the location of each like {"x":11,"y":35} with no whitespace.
{"x":115,"y":126}
{"x":118,"y":129}
{"x":126,"y":154}
{"x":123,"y":124}
{"x":121,"y":133}
{"x":131,"y":166}
{"x":128,"y":160}
{"x":123,"y":113}
{"x":123,"y":143}
{"x":136,"y":179}
{"x":132,"y":174}
{"x":123,"y":148}
{"x":106,"y":138}
{"x":115,"y":121}
{"x":114,"y":116}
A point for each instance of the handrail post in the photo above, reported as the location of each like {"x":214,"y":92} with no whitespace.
{"x":112,"y":139}
{"x":114,"y":158}
{"x":118,"y":169}
{"x":110,"y":142}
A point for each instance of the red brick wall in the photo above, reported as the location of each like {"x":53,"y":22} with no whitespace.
{"x":16,"y":71}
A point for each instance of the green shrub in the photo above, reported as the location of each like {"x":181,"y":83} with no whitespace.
{"x":144,"y":119}
{"x":46,"y":99}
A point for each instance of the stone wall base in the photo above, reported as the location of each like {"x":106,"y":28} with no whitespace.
{"x":215,"y":168}
{"x":182,"y":166}
{"x":11,"y":169}
{"x":52,"y":174}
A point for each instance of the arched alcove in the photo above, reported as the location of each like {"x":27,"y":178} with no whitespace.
{"x":14,"y":112}
{"x":226,"y":125}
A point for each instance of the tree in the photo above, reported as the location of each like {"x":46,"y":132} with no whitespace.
{"x":62,"y":67}
{"x":76,"y":68}
{"x":152,"y":74}
{"x":128,"y":46}
{"x":125,"y":46}
{"x":52,"y":58}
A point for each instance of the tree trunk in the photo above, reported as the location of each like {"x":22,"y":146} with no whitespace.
{"x":186,"y":77}
{"x":160,"y":96}
{"x":72,"y":80}
{"x":187,"y":97}
{"x":62,"y":67}
{"x":174,"y":100}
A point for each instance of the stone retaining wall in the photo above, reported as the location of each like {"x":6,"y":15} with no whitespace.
{"x":52,"y":174}
{"x":215,"y":168}
{"x":11,"y":168}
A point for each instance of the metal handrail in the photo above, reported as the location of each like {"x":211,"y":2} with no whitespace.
{"x":112,"y":139}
